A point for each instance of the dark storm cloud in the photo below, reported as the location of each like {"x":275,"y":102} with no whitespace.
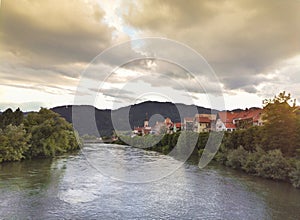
{"x":54,"y":31}
{"x":239,"y":39}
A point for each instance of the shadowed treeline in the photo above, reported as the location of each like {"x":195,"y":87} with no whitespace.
{"x":39,"y":134}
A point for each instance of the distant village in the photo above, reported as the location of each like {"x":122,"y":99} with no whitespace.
{"x":223,"y":121}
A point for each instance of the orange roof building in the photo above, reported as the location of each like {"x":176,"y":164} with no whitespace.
{"x":230,"y":121}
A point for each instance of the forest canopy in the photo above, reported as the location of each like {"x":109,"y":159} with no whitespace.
{"x":39,"y":134}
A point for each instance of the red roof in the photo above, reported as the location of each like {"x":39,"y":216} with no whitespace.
{"x":178,"y":125}
{"x":146,"y":130}
{"x":228,"y":117}
{"x":230,"y":125}
{"x":203,"y":120}
{"x":138,"y":129}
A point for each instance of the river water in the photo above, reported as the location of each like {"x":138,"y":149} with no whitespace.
{"x":70,"y":187}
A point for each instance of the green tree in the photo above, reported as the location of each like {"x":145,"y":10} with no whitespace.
{"x":280,"y":130}
{"x":249,"y":164}
{"x":273,"y":165}
{"x":236,"y":158}
{"x":8,"y":117}
{"x":175,"y":139}
{"x":13,"y":143}
{"x":202,"y":140}
{"x":295,"y":175}
{"x":18,"y":117}
{"x":51,"y":134}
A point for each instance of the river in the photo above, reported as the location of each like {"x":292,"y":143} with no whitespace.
{"x":75,"y":187}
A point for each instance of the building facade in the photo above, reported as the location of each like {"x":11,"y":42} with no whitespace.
{"x":231,"y":121}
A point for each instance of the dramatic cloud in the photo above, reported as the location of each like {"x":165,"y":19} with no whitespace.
{"x":54,"y":31}
{"x":45,"y":45}
{"x":48,"y":49}
{"x":240,"y":39}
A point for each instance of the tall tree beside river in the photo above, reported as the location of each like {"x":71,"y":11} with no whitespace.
{"x":281,"y":124}
{"x":14,"y":141}
{"x":51,"y":134}
{"x":40,"y":134}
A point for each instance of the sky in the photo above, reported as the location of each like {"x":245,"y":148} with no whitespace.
{"x":110,"y":53}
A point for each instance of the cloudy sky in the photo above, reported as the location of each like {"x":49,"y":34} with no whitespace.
{"x":58,"y":52}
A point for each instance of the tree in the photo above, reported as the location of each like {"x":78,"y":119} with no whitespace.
{"x":280,"y":124}
{"x":51,"y":134}
{"x":18,"y":117}
{"x":273,"y":165}
{"x":250,"y":162}
{"x":9,"y":117}
{"x":295,"y":175}
{"x":13,"y":143}
{"x":236,"y":158}
{"x":6,"y":118}
{"x":202,"y":140}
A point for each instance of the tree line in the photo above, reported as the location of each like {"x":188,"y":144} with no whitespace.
{"x":270,"y":151}
{"x":39,"y":134}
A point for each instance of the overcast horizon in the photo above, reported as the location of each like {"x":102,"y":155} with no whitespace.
{"x":252,"y":47}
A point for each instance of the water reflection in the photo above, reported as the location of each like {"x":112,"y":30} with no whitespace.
{"x":27,"y":186}
{"x":68,"y":187}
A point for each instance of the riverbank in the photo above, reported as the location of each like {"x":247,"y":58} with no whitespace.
{"x":271,"y":164}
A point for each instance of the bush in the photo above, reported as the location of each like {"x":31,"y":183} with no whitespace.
{"x":200,"y":152}
{"x":13,"y":143}
{"x":50,"y":134}
{"x":202,"y":140}
{"x":273,"y":165}
{"x":221,"y":155}
{"x":295,"y":175}
{"x":249,"y":165}
{"x":236,"y":158}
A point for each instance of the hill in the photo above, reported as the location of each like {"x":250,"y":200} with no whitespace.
{"x":137,"y":114}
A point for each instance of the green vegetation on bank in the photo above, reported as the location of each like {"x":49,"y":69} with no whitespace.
{"x":271,"y":151}
{"x":39,"y":134}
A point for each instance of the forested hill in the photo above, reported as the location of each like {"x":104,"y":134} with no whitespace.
{"x":137,"y":114}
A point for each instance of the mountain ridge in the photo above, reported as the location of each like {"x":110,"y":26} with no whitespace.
{"x":135,"y":114}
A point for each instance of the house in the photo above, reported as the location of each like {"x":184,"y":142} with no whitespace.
{"x":141,"y":131}
{"x":177,"y":127}
{"x":225,"y":121}
{"x":167,"y":126}
{"x":204,"y":122}
{"x":230,"y":121}
{"x":188,"y":124}
{"x":248,"y":118}
{"x":138,"y":131}
{"x":212,"y":117}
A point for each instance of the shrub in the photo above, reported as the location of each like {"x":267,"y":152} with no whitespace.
{"x":236,"y":158}
{"x":221,"y":155}
{"x":295,"y":175}
{"x":273,"y":165}
{"x":249,"y":165}
{"x":13,"y":143}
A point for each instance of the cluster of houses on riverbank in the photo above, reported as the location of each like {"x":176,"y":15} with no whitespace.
{"x":222,"y":121}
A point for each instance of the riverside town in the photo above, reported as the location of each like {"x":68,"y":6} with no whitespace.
{"x":223,"y":121}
